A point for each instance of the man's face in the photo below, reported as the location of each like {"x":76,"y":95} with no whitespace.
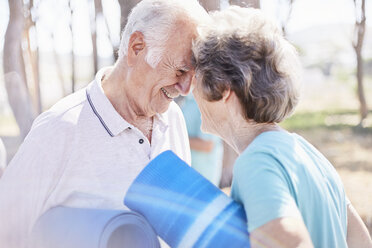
{"x":156,"y":87}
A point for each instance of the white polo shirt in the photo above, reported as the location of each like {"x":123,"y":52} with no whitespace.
{"x":80,"y":153}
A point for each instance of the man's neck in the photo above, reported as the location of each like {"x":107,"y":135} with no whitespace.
{"x":113,"y":83}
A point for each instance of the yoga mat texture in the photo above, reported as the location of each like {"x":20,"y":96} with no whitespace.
{"x":184,"y":208}
{"x":64,"y":227}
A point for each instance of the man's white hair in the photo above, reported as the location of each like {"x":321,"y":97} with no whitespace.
{"x":155,"y":19}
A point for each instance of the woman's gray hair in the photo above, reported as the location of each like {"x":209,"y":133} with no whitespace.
{"x":245,"y":52}
{"x":156,"y":19}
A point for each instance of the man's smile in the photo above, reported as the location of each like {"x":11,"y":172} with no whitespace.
{"x":167,"y":94}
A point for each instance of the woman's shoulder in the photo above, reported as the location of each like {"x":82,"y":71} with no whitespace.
{"x":268,"y":150}
{"x":271,"y":142}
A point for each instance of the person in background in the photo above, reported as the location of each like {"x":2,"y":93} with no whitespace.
{"x":87,"y":149}
{"x":206,"y":149}
{"x":246,"y":82}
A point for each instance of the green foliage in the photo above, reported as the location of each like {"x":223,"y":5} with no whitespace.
{"x":343,"y":76}
{"x":324,"y":119}
{"x":306,"y":120}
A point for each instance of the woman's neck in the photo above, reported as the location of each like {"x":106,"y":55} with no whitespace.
{"x":243,"y":132}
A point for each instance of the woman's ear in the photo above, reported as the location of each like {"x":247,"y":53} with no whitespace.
{"x":135,"y":47}
{"x":232,"y":103}
{"x":226,"y":95}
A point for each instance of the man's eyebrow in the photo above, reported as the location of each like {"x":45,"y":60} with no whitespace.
{"x":185,"y":68}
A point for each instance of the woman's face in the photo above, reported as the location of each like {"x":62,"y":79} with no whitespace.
{"x":213,"y":115}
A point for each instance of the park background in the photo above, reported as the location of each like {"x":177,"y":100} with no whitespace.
{"x":54,"y":47}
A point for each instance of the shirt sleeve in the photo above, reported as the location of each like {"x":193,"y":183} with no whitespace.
{"x":26,"y":184}
{"x":260,"y":184}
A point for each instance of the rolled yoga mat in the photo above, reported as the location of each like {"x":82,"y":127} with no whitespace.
{"x":184,"y":208}
{"x":64,"y":227}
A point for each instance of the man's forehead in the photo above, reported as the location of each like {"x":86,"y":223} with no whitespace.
{"x":185,"y":67}
{"x":182,"y":64}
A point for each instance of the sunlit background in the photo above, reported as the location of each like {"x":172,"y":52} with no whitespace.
{"x":322,"y":31}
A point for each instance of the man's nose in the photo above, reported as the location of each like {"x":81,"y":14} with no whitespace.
{"x":184,"y":85}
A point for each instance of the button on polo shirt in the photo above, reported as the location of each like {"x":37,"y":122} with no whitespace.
{"x":140,"y":141}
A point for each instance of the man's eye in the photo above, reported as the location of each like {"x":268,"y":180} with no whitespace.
{"x":180,"y":73}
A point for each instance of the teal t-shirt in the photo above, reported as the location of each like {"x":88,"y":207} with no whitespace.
{"x":280,"y":174}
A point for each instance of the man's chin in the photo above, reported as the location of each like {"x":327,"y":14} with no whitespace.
{"x":163,"y":108}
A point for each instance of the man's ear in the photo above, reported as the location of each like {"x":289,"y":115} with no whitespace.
{"x":135,"y":47}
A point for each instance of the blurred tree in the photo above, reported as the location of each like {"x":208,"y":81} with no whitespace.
{"x":125,"y":8}
{"x":246,"y":3}
{"x":210,"y":5}
{"x":33,"y":55}
{"x":285,"y":20}
{"x":58,"y":66}
{"x":359,"y":31}
{"x":72,"y":47}
{"x":97,"y":12}
{"x":97,"y":17}
{"x":14,"y":69}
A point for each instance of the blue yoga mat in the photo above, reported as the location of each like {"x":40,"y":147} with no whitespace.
{"x":64,"y":227}
{"x":184,"y":208}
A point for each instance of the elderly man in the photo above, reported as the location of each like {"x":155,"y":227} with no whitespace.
{"x":86,"y":150}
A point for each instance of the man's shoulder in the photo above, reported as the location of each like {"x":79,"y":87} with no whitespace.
{"x":65,"y":112}
{"x":69,"y":102}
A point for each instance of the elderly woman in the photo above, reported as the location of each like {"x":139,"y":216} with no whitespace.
{"x":246,"y":83}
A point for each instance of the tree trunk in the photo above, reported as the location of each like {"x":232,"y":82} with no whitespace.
{"x":14,"y":69}
{"x":58,"y":67}
{"x":286,"y":20}
{"x":97,"y":12}
{"x":33,"y":57}
{"x":72,"y":50}
{"x":99,"y":15}
{"x":359,"y":31}
{"x":246,"y":3}
{"x":210,"y":5}
{"x":125,"y":7}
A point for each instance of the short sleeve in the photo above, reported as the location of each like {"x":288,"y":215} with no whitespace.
{"x":260,"y":184}
{"x":27,"y":182}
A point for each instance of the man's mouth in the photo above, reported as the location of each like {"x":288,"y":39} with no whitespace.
{"x":167,"y":94}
